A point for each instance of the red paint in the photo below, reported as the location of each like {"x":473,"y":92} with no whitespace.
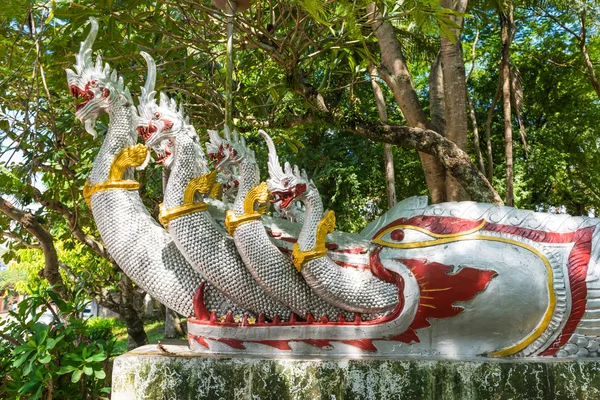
{"x":233,"y":343}
{"x":579,"y":259}
{"x":199,"y":308}
{"x":363,"y":344}
{"x":278,"y":344}
{"x":377,"y":267}
{"x":354,"y":250}
{"x":322,"y":344}
{"x":397,"y":235}
{"x":199,"y":339}
{"x":531,"y":234}
{"x":229,"y":318}
{"x":439,"y":292}
{"x":437,"y":225}
{"x":360,"y":267}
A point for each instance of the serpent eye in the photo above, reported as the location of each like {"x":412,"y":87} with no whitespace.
{"x":93,"y":84}
{"x":156,"y":115}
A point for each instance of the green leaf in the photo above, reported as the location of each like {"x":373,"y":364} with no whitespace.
{"x":100,"y":374}
{"x":76,"y":376}
{"x":97,"y":357}
{"x":66,"y":369}
{"x":88,"y":370}
{"x":46,"y":359}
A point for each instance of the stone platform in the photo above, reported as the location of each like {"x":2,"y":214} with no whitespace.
{"x":175,"y":373}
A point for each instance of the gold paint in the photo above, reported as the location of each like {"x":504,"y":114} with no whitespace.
{"x":257,"y":195}
{"x":168,"y":215}
{"x":428,"y":305}
{"x":201,"y":184}
{"x":326,"y":226}
{"x":542,"y":326}
{"x":132,"y":156}
{"x":216,"y":192}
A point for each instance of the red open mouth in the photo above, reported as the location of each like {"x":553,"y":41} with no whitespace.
{"x":216,"y":158}
{"x":286,"y":197}
{"x":161,"y":158}
{"x":79,"y":94}
{"x":146,"y":132}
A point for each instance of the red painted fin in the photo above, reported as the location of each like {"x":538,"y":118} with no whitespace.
{"x":199,"y":339}
{"x":199,"y":308}
{"x":439,"y":290}
{"x":322,"y":344}
{"x":234,"y":343}
{"x":278,"y":344}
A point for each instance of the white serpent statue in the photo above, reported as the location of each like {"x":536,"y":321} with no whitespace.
{"x":453,"y":279}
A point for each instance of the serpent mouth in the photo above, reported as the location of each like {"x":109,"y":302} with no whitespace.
{"x":146,"y":132}
{"x":82,"y":97}
{"x":287,"y":196}
{"x":162,"y":157}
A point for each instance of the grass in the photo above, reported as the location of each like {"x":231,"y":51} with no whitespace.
{"x":155,"y":329}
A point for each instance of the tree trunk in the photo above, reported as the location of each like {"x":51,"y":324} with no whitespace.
{"x":476,"y":142}
{"x":506,"y":34}
{"x":136,"y":335}
{"x":394,"y":72}
{"x":51,"y":264}
{"x":388,"y":155}
{"x":586,"y":56}
{"x":488,"y":131}
{"x":173,"y":329}
{"x":455,"y":92}
{"x":427,"y":141}
{"x":437,"y":102}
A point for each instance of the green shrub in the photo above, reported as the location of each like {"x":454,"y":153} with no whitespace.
{"x":64,"y":358}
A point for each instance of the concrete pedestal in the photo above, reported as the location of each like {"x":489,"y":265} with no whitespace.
{"x":152,"y":373}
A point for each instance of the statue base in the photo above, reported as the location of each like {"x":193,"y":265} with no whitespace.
{"x":174,"y":372}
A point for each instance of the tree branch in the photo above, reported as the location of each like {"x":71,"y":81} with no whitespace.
{"x":456,"y":161}
{"x":20,"y":240}
{"x":33,"y":226}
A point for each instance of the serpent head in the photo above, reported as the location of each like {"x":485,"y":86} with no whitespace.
{"x":288,"y":184}
{"x":95,"y":87}
{"x":226,"y":151}
{"x":160,"y":124}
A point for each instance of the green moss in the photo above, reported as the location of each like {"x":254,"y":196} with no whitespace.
{"x":181,"y":378}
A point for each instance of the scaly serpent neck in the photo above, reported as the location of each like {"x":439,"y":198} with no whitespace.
{"x":312,"y":216}
{"x":187,"y":164}
{"x":120,"y":135}
{"x":249,"y":178}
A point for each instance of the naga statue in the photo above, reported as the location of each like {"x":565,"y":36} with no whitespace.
{"x":453,"y":279}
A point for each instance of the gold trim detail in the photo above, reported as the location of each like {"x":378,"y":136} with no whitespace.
{"x":325,"y":227}
{"x":216,"y":192}
{"x":201,"y":184}
{"x":167,"y":215}
{"x":425,"y":231}
{"x":542,"y":326}
{"x":258,"y":194}
{"x":132,"y":156}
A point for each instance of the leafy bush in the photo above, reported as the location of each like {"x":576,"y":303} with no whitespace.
{"x":64,"y":358}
